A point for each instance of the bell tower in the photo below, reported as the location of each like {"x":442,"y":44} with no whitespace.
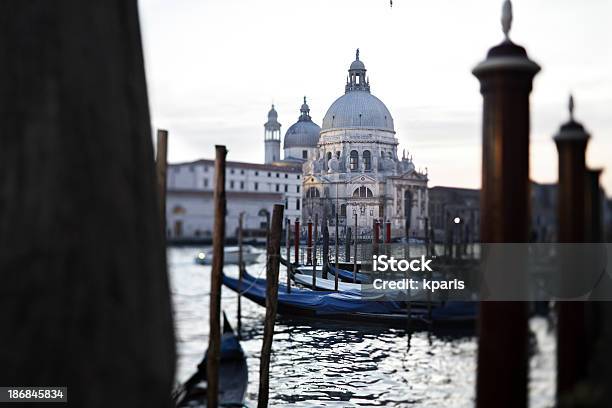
{"x":272,"y":137}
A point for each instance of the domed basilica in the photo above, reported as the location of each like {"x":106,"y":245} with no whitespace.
{"x":350,"y":164}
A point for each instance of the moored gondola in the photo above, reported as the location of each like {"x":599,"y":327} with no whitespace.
{"x":233,"y":376}
{"x":354,"y":307}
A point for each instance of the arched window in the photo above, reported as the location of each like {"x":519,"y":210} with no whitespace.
{"x":329,"y":156}
{"x":354,"y":160}
{"x":362,"y":192}
{"x":367,"y":160}
{"x":312,"y":192}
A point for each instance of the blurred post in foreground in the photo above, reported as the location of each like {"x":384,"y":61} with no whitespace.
{"x":84,"y":300}
{"x":505,"y":77}
{"x":572,"y":361}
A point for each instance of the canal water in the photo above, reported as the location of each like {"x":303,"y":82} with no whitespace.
{"x":325,"y":364}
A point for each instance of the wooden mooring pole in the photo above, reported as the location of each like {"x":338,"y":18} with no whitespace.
{"x":347,"y":244}
{"x":337,"y":241}
{"x":325,"y":248}
{"x":272,"y":268}
{"x":161,"y":164}
{"x":314,"y":251}
{"x":288,"y":246}
{"x":309,"y":243}
{"x":297,"y":241}
{"x":505,"y":77}
{"x":375,"y":237}
{"x":355,"y":253}
{"x":214,"y":339}
{"x":240,"y":273}
{"x":572,"y":361}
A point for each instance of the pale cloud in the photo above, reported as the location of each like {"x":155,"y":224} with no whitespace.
{"x":214,"y":68}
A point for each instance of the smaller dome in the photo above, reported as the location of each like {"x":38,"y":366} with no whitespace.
{"x":302,"y":134}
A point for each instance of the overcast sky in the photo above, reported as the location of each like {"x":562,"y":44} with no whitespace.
{"x":215,"y":66}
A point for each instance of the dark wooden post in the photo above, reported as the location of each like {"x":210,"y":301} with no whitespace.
{"x":84,"y":292}
{"x":571,"y":144}
{"x":427,"y":240}
{"x":505,"y":82}
{"x":375,"y":237}
{"x":297,"y":241}
{"x":240,"y":272}
{"x":355,"y":252}
{"x":337,"y":241}
{"x":309,"y":243}
{"x":214,"y":338}
{"x":272,"y":268}
{"x":161,"y":164}
{"x":288,"y":245}
{"x":325,"y":248}
{"x":314,"y":250}
{"x":594,"y":221}
{"x":347,"y":244}
{"x":388,"y":232}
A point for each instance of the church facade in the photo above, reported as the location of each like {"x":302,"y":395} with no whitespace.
{"x":355,"y":168}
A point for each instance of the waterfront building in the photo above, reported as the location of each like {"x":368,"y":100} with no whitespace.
{"x":448,"y":203}
{"x":251,"y":189}
{"x":355,"y":168}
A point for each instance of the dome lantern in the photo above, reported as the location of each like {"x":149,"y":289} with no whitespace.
{"x":356,"y":80}
{"x":358,"y":108}
{"x":304,"y":111}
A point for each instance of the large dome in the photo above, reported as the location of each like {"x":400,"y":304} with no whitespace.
{"x":358,"y":109}
{"x":304,"y":132}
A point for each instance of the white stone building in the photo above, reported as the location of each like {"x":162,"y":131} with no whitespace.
{"x":356,"y":168}
{"x":250,"y":188}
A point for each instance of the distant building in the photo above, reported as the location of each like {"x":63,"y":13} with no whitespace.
{"x":355,"y":169}
{"x":250,"y":188}
{"x":448,"y":203}
{"x":607,"y":216}
{"x":543,"y":212}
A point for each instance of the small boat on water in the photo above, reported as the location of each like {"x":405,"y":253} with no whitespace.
{"x":348,"y":276}
{"x":348,"y":306}
{"x":233,"y":376}
{"x":231,"y":255}
{"x":324,"y":284}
